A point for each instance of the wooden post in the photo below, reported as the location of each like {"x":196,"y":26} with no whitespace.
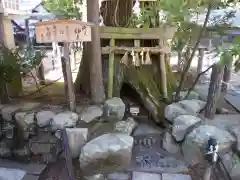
{"x":40,"y":70}
{"x":200,"y":60}
{"x":26,"y":21}
{"x":163,"y":72}
{"x":111,"y":70}
{"x":227,"y":74}
{"x":71,"y":93}
{"x":214,"y":91}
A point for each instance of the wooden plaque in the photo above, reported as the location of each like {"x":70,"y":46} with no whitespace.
{"x":63,"y":31}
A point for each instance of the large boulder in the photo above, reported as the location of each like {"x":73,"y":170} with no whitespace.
{"x":126,"y":126}
{"x":106,"y":154}
{"x":90,"y":113}
{"x":44,"y":118}
{"x":64,"y":120}
{"x":192,"y":106}
{"x":182,"y":125}
{"x":114,"y":108}
{"x":174,"y":110}
{"x":195,"y":143}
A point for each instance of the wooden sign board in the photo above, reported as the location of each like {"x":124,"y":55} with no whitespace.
{"x":63,"y":31}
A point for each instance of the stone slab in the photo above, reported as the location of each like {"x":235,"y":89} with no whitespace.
{"x":145,"y":176}
{"x":149,"y":156}
{"x":233,"y":98}
{"x":30,"y":177}
{"x":175,"y":177}
{"x":31,"y":168}
{"x":11,"y":174}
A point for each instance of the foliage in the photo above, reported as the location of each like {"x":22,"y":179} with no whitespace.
{"x":9,"y":64}
{"x":67,"y":8}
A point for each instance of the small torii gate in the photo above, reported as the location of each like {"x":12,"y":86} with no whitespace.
{"x":65,"y":31}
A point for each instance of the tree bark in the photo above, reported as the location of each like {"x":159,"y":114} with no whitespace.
{"x":200,"y":60}
{"x":96,"y":77}
{"x":227,"y":75}
{"x":214,"y":91}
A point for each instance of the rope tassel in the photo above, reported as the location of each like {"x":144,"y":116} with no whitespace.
{"x":148,"y":59}
{"x":142,"y":57}
{"x":133,"y":58}
{"x":124,"y":59}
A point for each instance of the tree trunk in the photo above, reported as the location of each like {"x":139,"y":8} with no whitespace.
{"x":200,"y":60}
{"x":214,"y":91}
{"x":95,"y":66}
{"x":227,"y":75}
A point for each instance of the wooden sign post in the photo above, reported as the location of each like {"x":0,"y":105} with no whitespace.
{"x":65,"y":31}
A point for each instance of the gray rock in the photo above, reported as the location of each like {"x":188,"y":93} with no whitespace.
{"x":176,"y":177}
{"x":182,"y":125}
{"x":145,"y":176}
{"x":169,"y":144}
{"x":4,"y":150}
{"x":195,"y":143}
{"x":235,"y":171}
{"x":192,"y":106}
{"x":114,"y":108}
{"x":22,"y":152}
{"x":7,"y":112}
{"x":25,"y":122}
{"x":106,"y":153}
{"x":77,"y":137}
{"x":235,"y":131}
{"x":126,"y":126}
{"x":64,"y":120}
{"x":118,"y":176}
{"x":91,"y":113}
{"x":44,"y":118}
{"x":95,"y":177}
{"x":174,"y":110}
{"x":192,"y":95}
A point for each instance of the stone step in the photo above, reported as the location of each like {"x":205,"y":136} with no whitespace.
{"x":164,"y":176}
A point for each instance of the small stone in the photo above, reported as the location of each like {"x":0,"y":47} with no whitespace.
{"x":106,"y":153}
{"x":126,"y":126}
{"x":195,"y":143}
{"x":169,"y":144}
{"x":77,"y":137}
{"x":174,"y":110}
{"x":7,"y":112}
{"x":64,"y":120}
{"x":44,"y":118}
{"x":91,"y":113}
{"x":182,"y":125}
{"x":114,"y":109}
{"x":145,"y":176}
{"x":175,"y":177}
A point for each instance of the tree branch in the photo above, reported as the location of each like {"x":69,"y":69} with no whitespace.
{"x":183,"y":77}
